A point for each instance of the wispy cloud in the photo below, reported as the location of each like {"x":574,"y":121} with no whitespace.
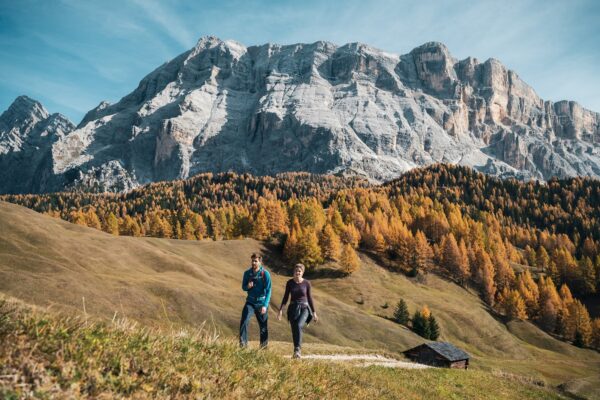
{"x":101,"y":50}
{"x":169,"y":22}
{"x":127,"y":25}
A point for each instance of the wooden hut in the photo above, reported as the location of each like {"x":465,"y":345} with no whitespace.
{"x":439,"y":354}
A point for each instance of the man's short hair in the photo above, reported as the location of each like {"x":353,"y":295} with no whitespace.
{"x":256,"y":256}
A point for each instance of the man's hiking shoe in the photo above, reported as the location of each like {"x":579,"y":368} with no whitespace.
{"x":296,"y":354}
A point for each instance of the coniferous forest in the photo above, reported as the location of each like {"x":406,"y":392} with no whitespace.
{"x":532,"y":250}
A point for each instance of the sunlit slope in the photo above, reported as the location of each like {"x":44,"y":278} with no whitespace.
{"x":48,"y":261}
{"x":158,"y":281}
{"x":58,"y":357}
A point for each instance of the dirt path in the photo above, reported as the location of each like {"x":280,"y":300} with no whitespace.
{"x":365,"y":360}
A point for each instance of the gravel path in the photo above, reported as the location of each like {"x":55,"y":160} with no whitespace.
{"x":365,"y":360}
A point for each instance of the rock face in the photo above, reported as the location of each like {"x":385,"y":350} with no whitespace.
{"x":27,"y":133}
{"x":314,"y":107}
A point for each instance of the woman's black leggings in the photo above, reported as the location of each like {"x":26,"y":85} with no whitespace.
{"x":297,"y":326}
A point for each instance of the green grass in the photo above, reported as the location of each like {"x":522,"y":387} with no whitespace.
{"x":44,"y":356}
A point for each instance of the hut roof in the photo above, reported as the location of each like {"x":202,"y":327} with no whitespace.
{"x":446,"y":350}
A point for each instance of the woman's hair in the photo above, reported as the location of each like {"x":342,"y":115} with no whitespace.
{"x":301,"y":266}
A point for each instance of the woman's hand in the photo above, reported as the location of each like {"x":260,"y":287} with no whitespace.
{"x":315,"y":317}
{"x":279,"y":314}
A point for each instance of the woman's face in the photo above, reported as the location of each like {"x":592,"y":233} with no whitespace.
{"x":298,"y":272}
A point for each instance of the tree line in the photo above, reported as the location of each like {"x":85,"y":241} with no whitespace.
{"x":528,"y":251}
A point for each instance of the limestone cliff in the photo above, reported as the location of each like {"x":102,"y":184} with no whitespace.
{"x":320,"y":108}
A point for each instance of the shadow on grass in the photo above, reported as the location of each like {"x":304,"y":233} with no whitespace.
{"x":388,"y":318}
{"x":273,"y":258}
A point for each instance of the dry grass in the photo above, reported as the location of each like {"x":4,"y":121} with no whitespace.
{"x":44,"y":356}
{"x":171,"y":283}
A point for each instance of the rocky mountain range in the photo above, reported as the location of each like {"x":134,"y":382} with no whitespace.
{"x":317,"y":107}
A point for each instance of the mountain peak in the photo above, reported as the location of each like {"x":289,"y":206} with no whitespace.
{"x":26,"y":124}
{"x":432,"y":47}
{"x":94,"y":113}
{"x":211,"y":42}
{"x":24,"y":99}
{"x":24,"y":107}
{"x":434,"y":67}
{"x":206,"y":42}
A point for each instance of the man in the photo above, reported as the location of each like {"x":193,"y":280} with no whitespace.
{"x":257,"y":282}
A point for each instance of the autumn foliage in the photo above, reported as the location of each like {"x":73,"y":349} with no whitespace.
{"x":515,"y":242}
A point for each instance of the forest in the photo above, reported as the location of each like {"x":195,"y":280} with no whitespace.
{"x":531,"y":249}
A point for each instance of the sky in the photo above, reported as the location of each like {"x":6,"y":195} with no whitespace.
{"x":72,"y":54}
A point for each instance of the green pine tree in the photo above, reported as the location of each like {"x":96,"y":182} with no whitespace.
{"x":420,"y":324}
{"x":401,"y":315}
{"x":434,"y":328}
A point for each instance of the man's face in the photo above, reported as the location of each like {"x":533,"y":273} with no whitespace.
{"x":255,"y":263}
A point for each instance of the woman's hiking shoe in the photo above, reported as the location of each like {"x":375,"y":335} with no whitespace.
{"x":296,"y":354}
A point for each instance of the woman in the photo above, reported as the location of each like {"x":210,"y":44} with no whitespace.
{"x":301,"y":309}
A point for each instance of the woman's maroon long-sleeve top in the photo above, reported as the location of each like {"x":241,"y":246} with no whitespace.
{"x":300,"y":293}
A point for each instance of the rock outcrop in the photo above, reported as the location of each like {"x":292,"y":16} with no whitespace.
{"x":27,"y":133}
{"x":320,"y":108}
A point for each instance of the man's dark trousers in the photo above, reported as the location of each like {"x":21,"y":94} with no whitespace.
{"x":262,"y":319}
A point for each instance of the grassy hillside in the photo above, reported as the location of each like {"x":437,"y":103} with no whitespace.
{"x":163,"y":282}
{"x":45,"y":356}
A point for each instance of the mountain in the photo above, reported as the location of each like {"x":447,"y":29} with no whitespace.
{"x":321,"y":108}
{"x":27,"y":133}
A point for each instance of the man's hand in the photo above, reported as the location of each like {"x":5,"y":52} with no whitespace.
{"x":315,"y":317}
{"x":250,"y":284}
{"x":279,"y":315}
{"x":263,"y":310}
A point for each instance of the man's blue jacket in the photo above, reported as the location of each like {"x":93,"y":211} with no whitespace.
{"x":260,"y":294}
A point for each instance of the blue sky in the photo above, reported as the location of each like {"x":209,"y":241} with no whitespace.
{"x":72,"y":54}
